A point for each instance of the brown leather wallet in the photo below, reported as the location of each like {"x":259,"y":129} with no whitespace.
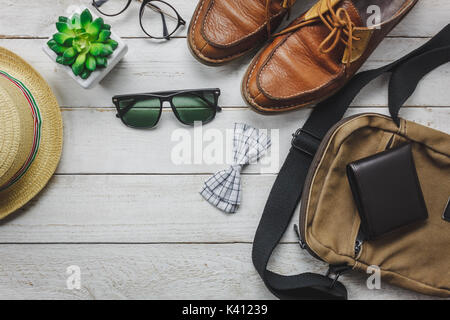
{"x":387,"y":192}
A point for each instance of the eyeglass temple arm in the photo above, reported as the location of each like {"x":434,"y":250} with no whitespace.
{"x":156,"y":9}
{"x":98,"y":3}
{"x":207,"y":101}
{"x":165,"y":31}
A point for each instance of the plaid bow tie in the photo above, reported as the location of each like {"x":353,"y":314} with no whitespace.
{"x":223,"y":189}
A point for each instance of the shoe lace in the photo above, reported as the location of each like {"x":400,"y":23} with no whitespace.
{"x":287,"y":4}
{"x":340,"y":25}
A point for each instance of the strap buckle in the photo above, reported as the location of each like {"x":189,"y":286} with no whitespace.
{"x":337,"y":271}
{"x":305,"y":142}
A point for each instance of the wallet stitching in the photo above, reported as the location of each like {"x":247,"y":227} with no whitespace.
{"x":418,"y":186}
{"x":368,"y":222}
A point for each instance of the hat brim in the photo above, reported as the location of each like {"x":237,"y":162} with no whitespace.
{"x":49,"y":154}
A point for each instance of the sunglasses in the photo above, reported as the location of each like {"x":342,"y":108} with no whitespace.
{"x":151,"y":13}
{"x":189,"y":106}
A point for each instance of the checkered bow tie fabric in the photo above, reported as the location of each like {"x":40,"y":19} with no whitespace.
{"x":223,"y":189}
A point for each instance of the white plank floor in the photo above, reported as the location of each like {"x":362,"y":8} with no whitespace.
{"x":130,"y":218}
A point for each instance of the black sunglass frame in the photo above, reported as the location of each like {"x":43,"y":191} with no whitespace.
{"x":165,"y":96}
{"x":167,"y":35}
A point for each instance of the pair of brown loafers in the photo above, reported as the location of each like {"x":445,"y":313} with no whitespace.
{"x":306,"y":62}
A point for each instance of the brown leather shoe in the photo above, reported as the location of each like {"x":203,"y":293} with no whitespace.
{"x":223,"y":30}
{"x":318,"y":53}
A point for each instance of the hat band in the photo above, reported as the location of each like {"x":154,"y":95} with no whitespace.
{"x":37,"y":124}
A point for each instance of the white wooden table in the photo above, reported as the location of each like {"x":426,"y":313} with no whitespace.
{"x":131,"y":219}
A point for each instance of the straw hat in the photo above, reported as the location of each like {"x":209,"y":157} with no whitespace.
{"x":30,"y":132}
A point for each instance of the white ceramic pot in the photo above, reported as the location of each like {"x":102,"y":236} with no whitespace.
{"x":98,"y":74}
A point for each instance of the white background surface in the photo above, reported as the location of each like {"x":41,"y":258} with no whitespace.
{"x":131,"y":219}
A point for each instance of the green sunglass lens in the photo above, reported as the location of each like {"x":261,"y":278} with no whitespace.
{"x":143,"y":114}
{"x":194,"y":107}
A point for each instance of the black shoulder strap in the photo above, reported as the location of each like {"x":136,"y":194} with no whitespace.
{"x":286,"y":192}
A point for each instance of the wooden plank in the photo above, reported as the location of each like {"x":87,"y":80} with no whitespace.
{"x":135,"y":209}
{"x":97,"y":142}
{"x":158,"y":272}
{"x":146,"y":208}
{"x":42,"y":14}
{"x":38,"y":24}
{"x":149,"y":67}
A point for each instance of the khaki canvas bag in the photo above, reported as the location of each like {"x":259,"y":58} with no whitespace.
{"x":315,"y":170}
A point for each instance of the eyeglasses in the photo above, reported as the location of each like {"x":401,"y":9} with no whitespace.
{"x":189,"y":106}
{"x":150,"y":13}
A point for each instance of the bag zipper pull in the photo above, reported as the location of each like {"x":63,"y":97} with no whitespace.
{"x":337,"y":271}
{"x":358,"y":246}
{"x":359,"y":242}
{"x":300,"y":241}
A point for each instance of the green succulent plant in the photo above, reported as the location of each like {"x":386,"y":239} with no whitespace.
{"x":82,"y":43}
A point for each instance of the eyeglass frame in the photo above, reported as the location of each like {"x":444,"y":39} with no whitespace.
{"x":181,"y":21}
{"x":165,"y":96}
